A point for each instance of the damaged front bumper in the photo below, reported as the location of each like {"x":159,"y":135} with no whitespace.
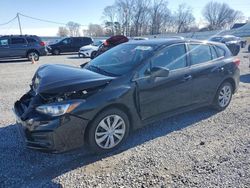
{"x":48,"y":134}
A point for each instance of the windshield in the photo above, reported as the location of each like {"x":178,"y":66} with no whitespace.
{"x":97,"y":43}
{"x":120,"y":59}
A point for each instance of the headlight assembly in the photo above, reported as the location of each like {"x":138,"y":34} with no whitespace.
{"x":57,"y":109}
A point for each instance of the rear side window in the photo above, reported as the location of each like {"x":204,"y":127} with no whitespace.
{"x":87,"y":40}
{"x":173,"y":57}
{"x":18,"y":41}
{"x":31,"y":40}
{"x":200,"y":53}
{"x":4,"y":42}
{"x":66,"y":41}
{"x":220,"y":51}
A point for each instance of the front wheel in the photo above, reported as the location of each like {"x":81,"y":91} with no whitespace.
{"x":33,"y":56}
{"x":223,"y":96}
{"x":108,"y":130}
{"x":93,"y":54}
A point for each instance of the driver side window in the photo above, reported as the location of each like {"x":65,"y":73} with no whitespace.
{"x":66,"y":41}
{"x":172,"y":57}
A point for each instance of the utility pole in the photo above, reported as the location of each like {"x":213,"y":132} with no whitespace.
{"x":20,"y":28}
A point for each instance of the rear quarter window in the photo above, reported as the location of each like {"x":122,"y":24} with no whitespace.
{"x":31,"y":40}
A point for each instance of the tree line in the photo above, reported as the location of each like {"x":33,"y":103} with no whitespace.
{"x":152,"y":17}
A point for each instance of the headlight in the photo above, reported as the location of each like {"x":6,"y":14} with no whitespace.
{"x":57,"y":109}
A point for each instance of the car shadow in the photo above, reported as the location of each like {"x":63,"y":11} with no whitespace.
{"x":245,"y":78}
{"x":14,"y":61}
{"x":74,"y":57}
{"x":21,"y":166}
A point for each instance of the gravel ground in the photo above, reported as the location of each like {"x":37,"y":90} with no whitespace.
{"x":202,"y":148}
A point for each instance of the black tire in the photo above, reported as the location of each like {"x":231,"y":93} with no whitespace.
{"x":95,"y":127}
{"x":56,"y":52}
{"x":93,"y":54}
{"x":217,"y":104}
{"x":33,"y":55}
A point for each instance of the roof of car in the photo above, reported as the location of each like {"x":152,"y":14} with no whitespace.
{"x":166,"y":41}
{"x":19,"y":36}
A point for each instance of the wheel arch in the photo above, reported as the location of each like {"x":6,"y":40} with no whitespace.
{"x":32,"y":50}
{"x":231,"y":81}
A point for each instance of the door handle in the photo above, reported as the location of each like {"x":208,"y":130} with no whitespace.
{"x":187,"y":77}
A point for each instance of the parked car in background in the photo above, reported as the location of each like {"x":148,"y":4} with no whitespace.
{"x":232,"y":42}
{"x":110,"y":43}
{"x":69,"y":44}
{"x":131,"y":85}
{"x":22,"y":46}
{"x":90,"y":50}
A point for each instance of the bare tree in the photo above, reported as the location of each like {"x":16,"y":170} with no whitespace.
{"x":140,"y":11}
{"x":62,"y":32}
{"x":220,"y":15}
{"x":74,"y":29}
{"x":109,"y":14}
{"x":124,"y":15}
{"x":158,"y":13}
{"x":183,"y":18}
{"x":95,"y":30}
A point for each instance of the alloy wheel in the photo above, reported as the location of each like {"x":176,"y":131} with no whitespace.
{"x":225,"y":96}
{"x":33,"y":55}
{"x":110,"y":131}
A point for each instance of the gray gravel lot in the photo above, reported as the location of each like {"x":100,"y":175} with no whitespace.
{"x":202,"y":148}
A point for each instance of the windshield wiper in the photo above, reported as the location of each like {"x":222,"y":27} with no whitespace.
{"x":99,"y":70}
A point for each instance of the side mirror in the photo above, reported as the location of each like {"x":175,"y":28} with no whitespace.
{"x":159,"y":72}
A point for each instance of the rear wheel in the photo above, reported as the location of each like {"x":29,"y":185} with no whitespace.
{"x":56,"y":52}
{"x":223,"y":96}
{"x":108,"y":130}
{"x":33,"y":55}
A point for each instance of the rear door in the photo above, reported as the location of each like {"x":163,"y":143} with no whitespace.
{"x":77,"y":43}
{"x":4,"y":47}
{"x":18,"y":47}
{"x":207,"y":71}
{"x":164,"y":94}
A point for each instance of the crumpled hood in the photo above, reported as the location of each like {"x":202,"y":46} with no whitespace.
{"x":63,"y":78}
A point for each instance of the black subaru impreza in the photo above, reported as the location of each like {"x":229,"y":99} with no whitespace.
{"x":123,"y":89}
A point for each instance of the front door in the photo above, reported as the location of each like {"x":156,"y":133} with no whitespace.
{"x":158,"y":95}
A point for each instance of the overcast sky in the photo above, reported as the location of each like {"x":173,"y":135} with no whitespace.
{"x":80,"y":11}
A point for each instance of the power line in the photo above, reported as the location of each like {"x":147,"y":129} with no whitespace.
{"x":48,"y":21}
{"x":8,"y":21}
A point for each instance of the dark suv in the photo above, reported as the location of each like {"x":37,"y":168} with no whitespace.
{"x":69,"y":44}
{"x":22,"y":46}
{"x":123,"y":89}
{"x":232,"y":42}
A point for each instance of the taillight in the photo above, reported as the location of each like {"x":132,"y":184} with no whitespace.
{"x":105,"y":43}
{"x":42,"y":43}
{"x":237,"y":62}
